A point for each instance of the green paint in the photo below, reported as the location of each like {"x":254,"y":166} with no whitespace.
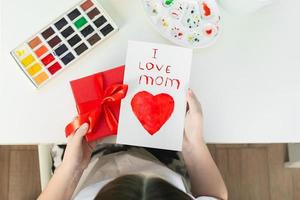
{"x":80,"y":22}
{"x":168,"y":2}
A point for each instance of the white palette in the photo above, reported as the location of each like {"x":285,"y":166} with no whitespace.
{"x":190,"y":23}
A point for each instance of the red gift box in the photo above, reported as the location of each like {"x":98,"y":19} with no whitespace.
{"x":98,"y":98}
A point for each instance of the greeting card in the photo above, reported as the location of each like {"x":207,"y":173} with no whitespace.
{"x":152,"y":113}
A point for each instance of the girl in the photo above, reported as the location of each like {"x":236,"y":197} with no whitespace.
{"x":135,"y":174}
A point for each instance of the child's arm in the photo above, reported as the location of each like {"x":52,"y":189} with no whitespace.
{"x":206,"y":179}
{"x":66,"y":177}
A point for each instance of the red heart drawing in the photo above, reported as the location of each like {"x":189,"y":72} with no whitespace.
{"x":152,"y":111}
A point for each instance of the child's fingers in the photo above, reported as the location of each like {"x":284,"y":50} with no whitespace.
{"x":192,"y":101}
{"x":69,"y":138}
{"x":93,"y":144}
{"x":81,"y":131}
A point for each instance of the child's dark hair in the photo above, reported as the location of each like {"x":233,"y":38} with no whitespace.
{"x":139,"y":187}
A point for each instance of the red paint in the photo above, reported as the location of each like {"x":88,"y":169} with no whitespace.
{"x":152,"y":111}
{"x":209,"y":31}
{"x":174,"y":13}
{"x":207,"y":11}
{"x":86,"y":5}
{"x":54,"y":68}
{"x":48,"y":59}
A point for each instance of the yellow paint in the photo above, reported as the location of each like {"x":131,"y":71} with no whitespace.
{"x":39,"y":79}
{"x":34,"y":69}
{"x":27,"y":60}
{"x":20,"y":52}
{"x":165,"y":23}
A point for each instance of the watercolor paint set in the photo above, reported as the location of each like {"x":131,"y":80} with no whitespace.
{"x":63,"y":41}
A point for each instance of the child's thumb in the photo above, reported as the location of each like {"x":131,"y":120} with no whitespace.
{"x":82,"y":130}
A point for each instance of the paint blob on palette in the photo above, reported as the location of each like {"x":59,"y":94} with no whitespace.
{"x":190,"y":23}
{"x":63,"y":41}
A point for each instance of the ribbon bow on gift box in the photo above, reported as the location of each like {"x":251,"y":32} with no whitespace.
{"x":91,"y":111}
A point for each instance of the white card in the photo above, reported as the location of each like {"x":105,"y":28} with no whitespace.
{"x":153,"y":111}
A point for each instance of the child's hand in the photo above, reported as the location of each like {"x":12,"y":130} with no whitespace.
{"x":78,"y":152}
{"x":206,"y":179}
{"x":193,"y":129}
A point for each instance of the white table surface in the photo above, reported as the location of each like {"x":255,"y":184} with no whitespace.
{"x":248,"y":82}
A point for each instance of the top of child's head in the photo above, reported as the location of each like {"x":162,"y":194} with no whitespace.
{"x":140,"y":187}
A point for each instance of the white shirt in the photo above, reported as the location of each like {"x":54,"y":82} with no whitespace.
{"x":103,"y":169}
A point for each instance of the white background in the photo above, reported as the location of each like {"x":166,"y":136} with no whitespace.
{"x":248,"y":82}
{"x":130,"y":130}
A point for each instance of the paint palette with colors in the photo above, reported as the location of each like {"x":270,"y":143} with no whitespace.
{"x":190,"y":23}
{"x":63,"y":41}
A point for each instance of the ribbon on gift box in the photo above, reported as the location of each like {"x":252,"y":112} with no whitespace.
{"x":111,"y":95}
